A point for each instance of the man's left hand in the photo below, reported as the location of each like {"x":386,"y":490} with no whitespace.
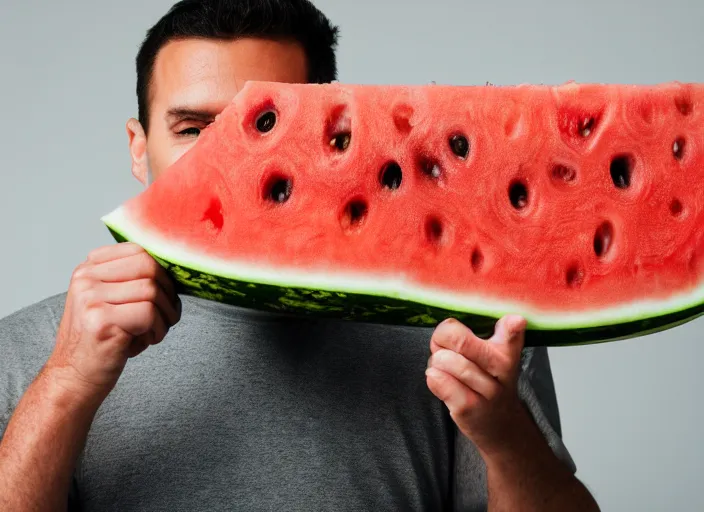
{"x":477,"y":380}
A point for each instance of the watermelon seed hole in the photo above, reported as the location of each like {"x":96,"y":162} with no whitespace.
{"x":278,"y":189}
{"x":391,"y":176}
{"x":676,"y":207}
{"x":430,"y":167}
{"x":402,"y":117}
{"x":574,"y":277}
{"x":586,"y":126}
{"x":621,"y":169}
{"x":266,"y":121}
{"x":518,"y":195}
{"x":433,"y":230}
{"x":354,"y":214}
{"x":459,"y":146}
{"x":684,"y":105}
{"x":678,"y":148}
{"x":603,"y":239}
{"x":477,"y":259}
{"x":563,"y":174}
{"x":341,"y":141}
{"x":339,"y":129}
{"x":646,"y":112}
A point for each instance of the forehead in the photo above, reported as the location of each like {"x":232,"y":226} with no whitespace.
{"x":199,"y":72}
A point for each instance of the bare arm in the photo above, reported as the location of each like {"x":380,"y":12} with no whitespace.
{"x":40,"y":447}
{"x":524,"y":474}
{"x":120,"y":302}
{"x":477,"y":381}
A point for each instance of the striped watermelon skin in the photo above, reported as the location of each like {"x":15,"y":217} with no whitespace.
{"x":580,"y":207}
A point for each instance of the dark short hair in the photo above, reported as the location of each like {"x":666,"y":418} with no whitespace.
{"x":295,"y":20}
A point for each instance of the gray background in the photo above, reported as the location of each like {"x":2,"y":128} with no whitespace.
{"x":631,"y":410}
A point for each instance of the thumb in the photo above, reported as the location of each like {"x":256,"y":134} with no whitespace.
{"x":509,"y":338}
{"x":509,"y":333}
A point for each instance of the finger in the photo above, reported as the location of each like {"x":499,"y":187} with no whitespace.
{"x":131,"y":268}
{"x":508,"y":339}
{"x":140,"y":344}
{"x":466,"y":372}
{"x":453,"y":335}
{"x":434,"y":347}
{"x":140,"y":290}
{"x":457,"y":397}
{"x":159,"y":328}
{"x":113,"y":252}
{"x":139,"y":318}
{"x":510,"y":331}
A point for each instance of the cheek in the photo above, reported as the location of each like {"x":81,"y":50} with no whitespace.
{"x":178,"y":150}
{"x":163,"y":151}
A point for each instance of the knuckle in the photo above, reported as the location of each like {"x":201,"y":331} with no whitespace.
{"x":463,"y":408}
{"x":458,"y":333}
{"x":460,"y":340}
{"x":88,"y":295}
{"x":81,"y":272}
{"x":95,"y":321}
{"x":92,"y":255}
{"x":467,"y":376}
{"x":150,"y":290}
{"x":81,"y":285}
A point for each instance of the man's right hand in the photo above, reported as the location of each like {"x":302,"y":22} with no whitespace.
{"x":120,"y":301}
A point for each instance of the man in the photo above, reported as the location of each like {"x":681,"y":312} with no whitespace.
{"x":241,"y":410}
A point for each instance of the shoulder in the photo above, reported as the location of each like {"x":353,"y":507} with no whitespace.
{"x":26,"y":340}
{"x":29,"y":332}
{"x":42,"y":314}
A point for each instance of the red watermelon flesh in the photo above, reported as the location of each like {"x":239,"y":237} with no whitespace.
{"x":580,"y":207}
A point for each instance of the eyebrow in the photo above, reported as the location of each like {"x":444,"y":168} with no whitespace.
{"x":196,"y":114}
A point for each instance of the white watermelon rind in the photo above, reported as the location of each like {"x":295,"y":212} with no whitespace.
{"x":424,"y":305}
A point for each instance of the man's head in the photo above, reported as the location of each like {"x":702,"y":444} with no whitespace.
{"x":197,"y":57}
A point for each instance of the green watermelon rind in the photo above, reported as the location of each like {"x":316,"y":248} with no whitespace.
{"x":347,"y":297}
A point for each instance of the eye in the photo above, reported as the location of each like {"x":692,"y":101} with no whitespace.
{"x":190,"y":132}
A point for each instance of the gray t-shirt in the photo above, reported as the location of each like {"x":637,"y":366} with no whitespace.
{"x":241,"y":410}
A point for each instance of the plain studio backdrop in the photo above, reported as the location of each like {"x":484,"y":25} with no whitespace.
{"x":631,"y":410}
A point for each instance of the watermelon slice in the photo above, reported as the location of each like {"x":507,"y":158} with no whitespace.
{"x":580,"y":207}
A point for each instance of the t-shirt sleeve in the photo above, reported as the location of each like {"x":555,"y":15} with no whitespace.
{"x":536,"y":389}
{"x":26,"y":340}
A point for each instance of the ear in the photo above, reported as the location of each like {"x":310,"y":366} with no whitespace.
{"x":138,"y":150}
